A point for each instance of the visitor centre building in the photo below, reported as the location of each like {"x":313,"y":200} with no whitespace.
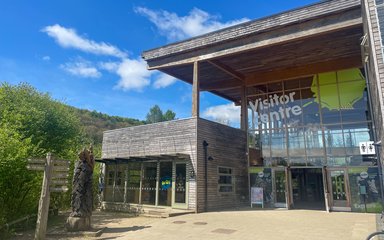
{"x":309,"y":83}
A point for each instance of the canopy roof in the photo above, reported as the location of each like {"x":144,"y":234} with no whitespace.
{"x":317,"y":38}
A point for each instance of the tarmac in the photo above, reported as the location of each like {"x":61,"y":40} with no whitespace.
{"x":242,"y":225}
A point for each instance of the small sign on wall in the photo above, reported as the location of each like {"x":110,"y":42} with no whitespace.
{"x":257,"y":196}
{"x":367,"y":148}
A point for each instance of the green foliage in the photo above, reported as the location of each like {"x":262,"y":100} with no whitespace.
{"x":31,"y":125}
{"x":169,"y":115}
{"x":95,"y":123}
{"x":155,"y":114}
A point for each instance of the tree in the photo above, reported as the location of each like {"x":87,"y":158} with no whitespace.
{"x":31,"y":124}
{"x":169,"y":115}
{"x":155,"y":114}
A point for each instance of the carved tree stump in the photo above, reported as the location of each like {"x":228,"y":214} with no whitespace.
{"x":82,"y":196}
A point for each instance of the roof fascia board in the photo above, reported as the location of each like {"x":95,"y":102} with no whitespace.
{"x":258,"y":44}
{"x":286,"y":18}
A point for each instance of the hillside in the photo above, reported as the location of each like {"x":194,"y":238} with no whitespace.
{"x":95,"y":123}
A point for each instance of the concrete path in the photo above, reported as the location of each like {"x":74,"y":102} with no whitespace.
{"x":260,"y":224}
{"x":242,"y":225}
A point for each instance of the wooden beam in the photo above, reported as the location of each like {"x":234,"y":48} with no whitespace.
{"x":244,"y":109}
{"x":196,"y":91}
{"x":227,"y":70}
{"x":302,"y":71}
{"x":287,"y":73}
{"x":222,"y":85}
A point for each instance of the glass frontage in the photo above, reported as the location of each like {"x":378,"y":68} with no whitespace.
{"x":314,"y":121}
{"x":159,"y":183}
{"x":312,"y":127}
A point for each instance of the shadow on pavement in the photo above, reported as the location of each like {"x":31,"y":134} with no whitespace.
{"x":124,"y":229}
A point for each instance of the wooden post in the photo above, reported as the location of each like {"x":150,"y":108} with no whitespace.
{"x":125,"y":184}
{"x":196,"y":91}
{"x":244,"y":109}
{"x":42,"y":215}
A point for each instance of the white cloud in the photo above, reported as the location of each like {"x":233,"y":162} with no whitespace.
{"x":163,"y":80}
{"x":228,"y":114}
{"x":46,"y":58}
{"x":68,"y":38}
{"x":109,"y":66}
{"x":81,"y":68}
{"x":176,"y":27}
{"x":133,"y":75}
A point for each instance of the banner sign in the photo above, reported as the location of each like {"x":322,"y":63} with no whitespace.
{"x":257,"y":196}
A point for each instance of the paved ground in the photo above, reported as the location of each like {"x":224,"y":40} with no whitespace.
{"x":298,"y":224}
{"x":242,"y":225}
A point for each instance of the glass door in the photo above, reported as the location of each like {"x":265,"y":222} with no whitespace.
{"x":180,"y":185}
{"x":148,"y":187}
{"x":280,"y":188}
{"x":165,"y":184}
{"x":338,"y":181}
{"x":133,"y":183}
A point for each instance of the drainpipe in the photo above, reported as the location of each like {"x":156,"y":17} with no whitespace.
{"x":205,"y":145}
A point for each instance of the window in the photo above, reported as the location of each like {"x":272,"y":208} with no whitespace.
{"x":111,"y":176}
{"x":119,"y":178}
{"x":225,"y":180}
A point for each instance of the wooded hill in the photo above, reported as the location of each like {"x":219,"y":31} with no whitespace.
{"x":95,"y":123}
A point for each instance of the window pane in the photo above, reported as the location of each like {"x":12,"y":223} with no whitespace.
{"x":278,"y":147}
{"x":111,"y":176}
{"x":330,"y":106}
{"x":314,"y":141}
{"x":225,"y":170}
{"x":334,"y":144}
{"x":310,"y":106}
{"x":316,"y":161}
{"x":275,"y":105}
{"x":359,"y":110}
{"x":275,"y":87}
{"x":293,"y":109}
{"x":225,"y":179}
{"x":296,"y":142}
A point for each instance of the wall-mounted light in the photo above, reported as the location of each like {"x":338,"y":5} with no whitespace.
{"x":210,"y":158}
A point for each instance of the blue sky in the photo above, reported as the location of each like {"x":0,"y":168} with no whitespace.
{"x":87,"y":53}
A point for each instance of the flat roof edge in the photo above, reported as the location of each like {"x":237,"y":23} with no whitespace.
{"x":258,"y":25}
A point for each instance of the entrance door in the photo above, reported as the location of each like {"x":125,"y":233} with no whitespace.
{"x":338,"y":181}
{"x":180,"y":186}
{"x":307,"y":188}
{"x":279,"y":188}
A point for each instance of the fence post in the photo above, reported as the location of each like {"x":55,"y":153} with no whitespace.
{"x":42,"y":215}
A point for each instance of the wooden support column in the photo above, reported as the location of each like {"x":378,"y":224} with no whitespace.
{"x":196,"y":91}
{"x":244,"y":109}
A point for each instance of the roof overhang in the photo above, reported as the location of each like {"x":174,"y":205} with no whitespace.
{"x":162,"y":157}
{"x":318,"y":38}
